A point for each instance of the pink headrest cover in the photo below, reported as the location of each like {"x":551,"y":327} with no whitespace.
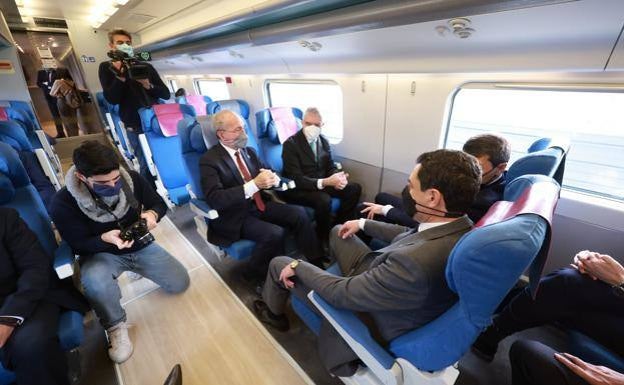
{"x":285,"y":122}
{"x":198,"y":102}
{"x":3,"y":115}
{"x":168,"y":117}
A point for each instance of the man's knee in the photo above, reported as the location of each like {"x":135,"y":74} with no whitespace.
{"x":322,"y":202}
{"x":96,"y":276}
{"x":33,"y":344}
{"x":180,"y":283}
{"x":277,"y":264}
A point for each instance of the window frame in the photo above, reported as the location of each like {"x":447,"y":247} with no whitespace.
{"x":170,"y":83}
{"x":210,"y":79}
{"x":578,"y":194}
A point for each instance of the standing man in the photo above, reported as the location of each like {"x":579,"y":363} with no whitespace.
{"x":308,"y":161}
{"x":45,"y":80}
{"x":130,"y":94}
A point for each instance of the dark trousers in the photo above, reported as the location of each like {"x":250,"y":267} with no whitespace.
{"x":269,"y":228}
{"x":33,"y":351}
{"x":56,"y":116}
{"x":533,"y":363}
{"x":69,"y":117}
{"x":320,"y":201}
{"x":574,"y":300}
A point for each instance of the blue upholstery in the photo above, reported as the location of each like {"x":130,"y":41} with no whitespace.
{"x":198,"y":102}
{"x":25,"y":107}
{"x":17,"y":192}
{"x":192,"y":147}
{"x":166,"y":153}
{"x":12,"y":134}
{"x":241,"y":107}
{"x":543,"y":162}
{"x":28,"y":125}
{"x":310,"y":318}
{"x":102,"y":105}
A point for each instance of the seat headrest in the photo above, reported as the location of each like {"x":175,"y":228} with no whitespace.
{"x":239,"y":106}
{"x":12,"y":134}
{"x":191,"y":138}
{"x":543,"y":162}
{"x":209,"y":135}
{"x":4,"y":116}
{"x":11,"y":166}
{"x":544,"y":143}
{"x":199,"y":103}
{"x":163,"y":118}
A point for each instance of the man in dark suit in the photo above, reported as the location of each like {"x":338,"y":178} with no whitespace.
{"x":308,"y":161}
{"x":31,"y":298}
{"x":45,"y":80}
{"x":235,"y":183}
{"x":400,"y":287}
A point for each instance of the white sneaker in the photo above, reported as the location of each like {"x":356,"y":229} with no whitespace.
{"x":133,"y":276}
{"x":120,"y":347}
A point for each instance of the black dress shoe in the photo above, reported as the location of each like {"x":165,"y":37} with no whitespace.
{"x":266,"y":316}
{"x":486,"y":345}
{"x":175,"y":376}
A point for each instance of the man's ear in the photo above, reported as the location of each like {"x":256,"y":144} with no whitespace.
{"x":502,"y":167}
{"x":80,"y":176}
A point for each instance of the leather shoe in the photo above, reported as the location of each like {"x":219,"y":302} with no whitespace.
{"x":175,"y":376}
{"x":266,"y":316}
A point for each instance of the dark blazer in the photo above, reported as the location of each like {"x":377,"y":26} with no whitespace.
{"x":43,"y":77}
{"x":26,"y":273}
{"x":488,"y":195}
{"x":300,"y":164}
{"x":223,"y":191}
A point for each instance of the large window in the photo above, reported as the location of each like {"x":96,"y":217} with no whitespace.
{"x":324,"y":95}
{"x":590,"y":119}
{"x":216,"y":89}
{"x":173,"y":85}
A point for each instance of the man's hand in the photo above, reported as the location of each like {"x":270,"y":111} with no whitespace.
{"x":593,"y":374}
{"x":145,"y":83}
{"x":285,"y":275}
{"x":337,"y":180}
{"x":349,"y":228}
{"x":265,"y":179}
{"x":599,"y":266}
{"x":112,"y":237}
{"x":372,"y":209}
{"x":150,"y":218}
{"x":5,"y":333}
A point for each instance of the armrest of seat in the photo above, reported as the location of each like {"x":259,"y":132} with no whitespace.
{"x":357,"y":336}
{"x":202,"y":208}
{"x":147,"y":154}
{"x":64,"y":261}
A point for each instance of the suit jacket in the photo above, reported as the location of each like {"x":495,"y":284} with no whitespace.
{"x":401,"y":286}
{"x":223,"y":189}
{"x":26,"y":273}
{"x":488,"y":195}
{"x":43,"y":77}
{"x":300,"y":164}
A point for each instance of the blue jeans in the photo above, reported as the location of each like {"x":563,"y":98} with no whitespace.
{"x":99,"y":272}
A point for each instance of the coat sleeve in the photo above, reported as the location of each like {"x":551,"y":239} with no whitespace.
{"x":398,"y":283}
{"x":31,"y":264}
{"x":330,"y":167}
{"x":383,"y":231}
{"x":215,"y":193}
{"x":293,"y":168}
{"x":159,"y":89}
{"x":112,"y":86}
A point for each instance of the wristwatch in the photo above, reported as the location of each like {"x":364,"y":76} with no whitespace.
{"x":293,"y":265}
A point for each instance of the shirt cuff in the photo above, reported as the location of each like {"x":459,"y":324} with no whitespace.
{"x":361,"y":223}
{"x":18,"y":318}
{"x":319,"y":184}
{"x":250,"y":189}
{"x":385,"y":209}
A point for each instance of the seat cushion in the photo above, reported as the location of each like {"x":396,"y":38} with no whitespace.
{"x":240,"y":250}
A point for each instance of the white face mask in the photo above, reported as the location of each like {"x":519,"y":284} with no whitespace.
{"x":311,"y":133}
{"x":126,"y":48}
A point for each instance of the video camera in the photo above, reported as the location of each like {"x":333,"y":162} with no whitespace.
{"x":134,"y":67}
{"x":138,"y":232}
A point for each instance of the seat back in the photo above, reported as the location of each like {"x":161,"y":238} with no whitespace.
{"x":275,"y":125}
{"x":102,"y":106}
{"x":12,"y":134}
{"x":483,"y":266}
{"x":198,"y":102}
{"x":544,"y":157}
{"x":24,"y":107}
{"x":160,"y":125}
{"x":192,"y":147}
{"x":29,"y":126}
{"x":17,"y":192}
{"x":241,"y":107}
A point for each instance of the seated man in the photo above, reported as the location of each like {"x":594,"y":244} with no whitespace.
{"x":105,"y":214}
{"x":235,"y":181}
{"x":308,"y":161}
{"x":594,"y":288}
{"x":402,"y":286}
{"x":31,"y":300}
{"x":492,"y":152}
{"x":533,"y":363}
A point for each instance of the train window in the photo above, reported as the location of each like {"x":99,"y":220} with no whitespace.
{"x":216,"y":89}
{"x":591,"y":119}
{"x":324,"y":95}
{"x":173,"y":85}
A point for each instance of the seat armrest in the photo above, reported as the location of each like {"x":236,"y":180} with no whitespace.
{"x":202,"y":208}
{"x":64,"y":261}
{"x":357,"y":336}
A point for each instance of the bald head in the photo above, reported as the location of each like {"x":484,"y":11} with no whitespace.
{"x":226,"y":120}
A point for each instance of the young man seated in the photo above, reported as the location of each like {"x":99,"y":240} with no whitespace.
{"x":235,"y":182}
{"x":31,"y":299}
{"x":308,"y":161}
{"x":492,"y":152}
{"x":400,"y":287}
{"x":105,"y":214}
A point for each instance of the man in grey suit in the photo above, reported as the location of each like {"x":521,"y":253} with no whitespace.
{"x":400,"y":287}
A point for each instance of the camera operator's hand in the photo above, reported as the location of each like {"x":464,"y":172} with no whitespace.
{"x":112,"y":237}
{"x":145,"y":83}
{"x":265,"y":179}
{"x":150,"y":218}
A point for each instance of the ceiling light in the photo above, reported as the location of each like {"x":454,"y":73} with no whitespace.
{"x":121,"y":2}
{"x":55,"y":44}
{"x":236,"y":54}
{"x":311,"y":45}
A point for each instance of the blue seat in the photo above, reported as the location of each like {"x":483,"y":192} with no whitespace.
{"x":18,"y":193}
{"x":483,"y":266}
{"x":195,"y":138}
{"x":161,"y":147}
{"x":28,"y":125}
{"x":271,"y":143}
{"x":198,"y":102}
{"x":544,"y":157}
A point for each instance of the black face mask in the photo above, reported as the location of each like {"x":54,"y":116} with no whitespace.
{"x":409,"y":205}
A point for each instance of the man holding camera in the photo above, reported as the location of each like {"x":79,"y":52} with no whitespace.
{"x":105,"y":214}
{"x":131,"y":90}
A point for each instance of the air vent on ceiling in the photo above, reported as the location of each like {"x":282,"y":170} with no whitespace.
{"x":139,"y":18}
{"x":49,"y":23}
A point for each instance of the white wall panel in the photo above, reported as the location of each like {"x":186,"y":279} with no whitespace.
{"x":12,"y":86}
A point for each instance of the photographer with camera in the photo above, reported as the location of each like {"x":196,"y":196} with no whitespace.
{"x":105,"y":214}
{"x":132,"y":85}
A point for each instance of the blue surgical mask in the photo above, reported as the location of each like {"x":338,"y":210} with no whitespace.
{"x":125,"y":48}
{"x":104,"y":190}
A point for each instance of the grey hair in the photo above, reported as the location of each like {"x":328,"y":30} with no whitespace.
{"x":218,"y":119}
{"x":313,"y":111}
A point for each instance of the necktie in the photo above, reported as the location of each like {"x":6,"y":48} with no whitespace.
{"x":314,"y":150}
{"x":247,"y":177}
